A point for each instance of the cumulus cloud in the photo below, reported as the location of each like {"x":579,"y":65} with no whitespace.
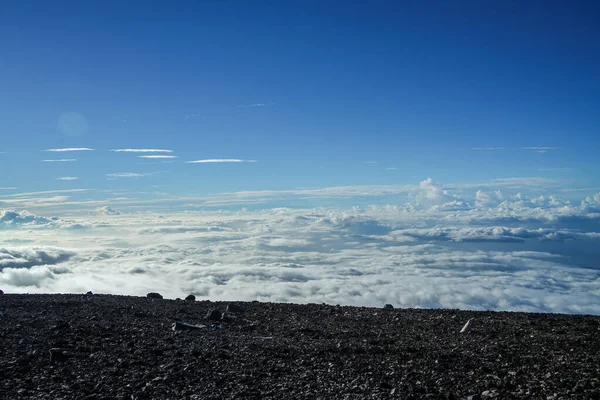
{"x":106,"y":210}
{"x":61,"y":160}
{"x":220,"y":160}
{"x":26,"y":257}
{"x":13,"y":217}
{"x":66,"y":149}
{"x":157,"y":156}
{"x":67,"y":178}
{"x":432,"y":194}
{"x":142,"y":151}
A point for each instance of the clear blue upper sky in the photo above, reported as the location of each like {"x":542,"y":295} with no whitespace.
{"x":310,"y":89}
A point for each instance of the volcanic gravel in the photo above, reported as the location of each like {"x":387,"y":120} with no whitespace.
{"x":119,"y":347}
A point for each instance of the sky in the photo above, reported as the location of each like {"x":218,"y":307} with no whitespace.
{"x":469,"y":128}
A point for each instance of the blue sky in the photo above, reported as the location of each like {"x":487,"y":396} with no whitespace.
{"x":422,"y":154}
{"x":311,"y":91}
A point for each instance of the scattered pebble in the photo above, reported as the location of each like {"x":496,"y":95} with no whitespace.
{"x":467,"y":326}
{"x":183,"y":326}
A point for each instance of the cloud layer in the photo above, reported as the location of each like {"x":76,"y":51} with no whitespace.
{"x":494,"y":251}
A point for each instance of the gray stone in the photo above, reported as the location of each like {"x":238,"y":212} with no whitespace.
{"x":214,"y":315}
{"x":154,"y":295}
{"x":233,"y":308}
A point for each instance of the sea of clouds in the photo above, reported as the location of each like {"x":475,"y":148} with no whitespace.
{"x":492,"y":251}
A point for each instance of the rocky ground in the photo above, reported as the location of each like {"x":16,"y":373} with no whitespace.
{"x":117,"y":347}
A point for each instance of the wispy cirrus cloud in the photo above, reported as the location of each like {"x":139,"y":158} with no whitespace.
{"x":126,"y":175}
{"x":9,"y":188}
{"x":220,"y":160}
{"x":142,"y":150}
{"x":67,"y":178}
{"x":157,"y":157}
{"x":489,"y":148}
{"x":540,"y":149}
{"x":67,"y":149}
{"x":371,"y":162}
{"x":61,"y":160}
{"x":24,"y":194}
{"x":255,"y":105}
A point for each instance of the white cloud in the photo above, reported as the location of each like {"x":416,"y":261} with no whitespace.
{"x":470,"y":258}
{"x":13,"y":217}
{"x":26,"y":257}
{"x":348,"y":256}
{"x":488,"y":148}
{"x":67,"y":178}
{"x":220,"y":160}
{"x":9,"y":188}
{"x":61,"y":160}
{"x":157,"y":156}
{"x":27,"y":194}
{"x":540,"y":149}
{"x":251,"y":105}
{"x":142,"y":151}
{"x":66,"y":149}
{"x":371,"y":162}
{"x":106,"y":210}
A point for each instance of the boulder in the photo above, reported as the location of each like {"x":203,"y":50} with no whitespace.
{"x":154,"y":295}
{"x":214,"y":315}
{"x":89,"y":293}
{"x":388,"y":307}
{"x":1,"y":292}
{"x":233,"y":308}
{"x":191,"y":297}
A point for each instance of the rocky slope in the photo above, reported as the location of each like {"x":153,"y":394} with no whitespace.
{"x":117,"y":347}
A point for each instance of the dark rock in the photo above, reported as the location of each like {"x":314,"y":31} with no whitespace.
{"x":214,"y":315}
{"x":388,"y":307}
{"x":475,"y":397}
{"x":1,"y":292}
{"x":233,"y":308}
{"x":154,"y":295}
{"x":61,"y":325}
{"x":190,"y":297}
{"x":59,"y":355}
{"x":89,"y":293}
{"x":227,"y":318}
